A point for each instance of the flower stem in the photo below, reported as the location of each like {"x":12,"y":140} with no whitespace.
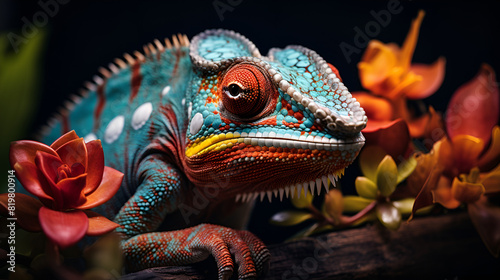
{"x":347,"y":221}
{"x":319,"y":216}
{"x":52,"y":251}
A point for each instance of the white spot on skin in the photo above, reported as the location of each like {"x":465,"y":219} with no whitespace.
{"x":190,"y":109}
{"x":141,"y":115}
{"x":89,"y":137}
{"x":114,"y":129}
{"x":165,"y":90}
{"x":196,"y":123}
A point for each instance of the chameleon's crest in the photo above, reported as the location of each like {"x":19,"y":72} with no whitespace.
{"x":214,"y":50}
{"x":151,"y":51}
{"x":317,"y":85}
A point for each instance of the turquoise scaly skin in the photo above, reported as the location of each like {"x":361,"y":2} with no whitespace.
{"x":201,"y":130}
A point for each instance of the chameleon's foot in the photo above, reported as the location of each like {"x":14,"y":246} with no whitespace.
{"x":196,"y":244}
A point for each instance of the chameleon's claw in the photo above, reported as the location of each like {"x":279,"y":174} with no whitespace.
{"x":226,"y":273}
{"x":195,"y":244}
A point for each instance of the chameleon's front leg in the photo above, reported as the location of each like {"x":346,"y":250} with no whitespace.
{"x":195,"y":244}
{"x":158,"y":194}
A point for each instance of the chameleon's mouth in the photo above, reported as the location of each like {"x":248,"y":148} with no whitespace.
{"x":300,"y":189}
{"x":318,"y":159}
{"x":223,"y":141}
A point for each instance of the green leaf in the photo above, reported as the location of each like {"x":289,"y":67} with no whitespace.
{"x":404,"y":206}
{"x":321,"y":229}
{"x":366,"y":187}
{"x":405,"y":168}
{"x":19,"y":85}
{"x":355,"y":203}
{"x":304,"y":201}
{"x":387,"y":175}
{"x":388,"y":215}
{"x":290,"y":218}
{"x":303,"y":232}
{"x":369,"y":160}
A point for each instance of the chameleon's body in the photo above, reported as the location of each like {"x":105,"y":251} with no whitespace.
{"x":196,"y":126}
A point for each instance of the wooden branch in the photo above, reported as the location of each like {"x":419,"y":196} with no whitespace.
{"x":442,"y":247}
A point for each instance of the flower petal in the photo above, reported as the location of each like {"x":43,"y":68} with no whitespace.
{"x":69,"y":136}
{"x":491,"y":180}
{"x":374,"y":125}
{"x":34,"y":181}
{"x":377,"y":63}
{"x":72,"y":191}
{"x":418,"y":126}
{"x":406,"y":54}
{"x":25,"y":151}
{"x":432,"y":78}
{"x":429,"y":126}
{"x":98,"y":224}
{"x":48,"y":164}
{"x":396,"y":129}
{"x":95,"y":167}
{"x":111,"y":182}
{"x":387,"y":176}
{"x":63,"y":228}
{"x":376,"y":108}
{"x":26,"y":210}
{"x":425,"y":196}
{"x":442,"y":194}
{"x":486,"y":219}
{"x":73,"y":152}
{"x":465,"y":191}
{"x":425,"y":165}
{"x":334,"y":203}
{"x":492,"y":155}
{"x":366,"y":188}
{"x":369,"y":160}
{"x":466,"y":151}
{"x":474,"y":108}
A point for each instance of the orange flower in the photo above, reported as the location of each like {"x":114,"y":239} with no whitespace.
{"x":458,"y":158}
{"x":68,"y":177}
{"x":456,"y":166}
{"x":386,"y":70}
{"x":462,"y":167}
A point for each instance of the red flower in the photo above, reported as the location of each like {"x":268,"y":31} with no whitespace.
{"x":68,"y":177}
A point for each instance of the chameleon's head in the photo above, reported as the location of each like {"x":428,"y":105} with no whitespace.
{"x":267,"y":124}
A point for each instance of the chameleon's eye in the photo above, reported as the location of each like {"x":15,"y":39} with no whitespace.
{"x":234,"y":90}
{"x":246,"y":92}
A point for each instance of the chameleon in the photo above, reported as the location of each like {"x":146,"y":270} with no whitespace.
{"x":203,"y":128}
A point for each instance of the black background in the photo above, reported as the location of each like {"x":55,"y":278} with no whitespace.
{"x":85,"y":35}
